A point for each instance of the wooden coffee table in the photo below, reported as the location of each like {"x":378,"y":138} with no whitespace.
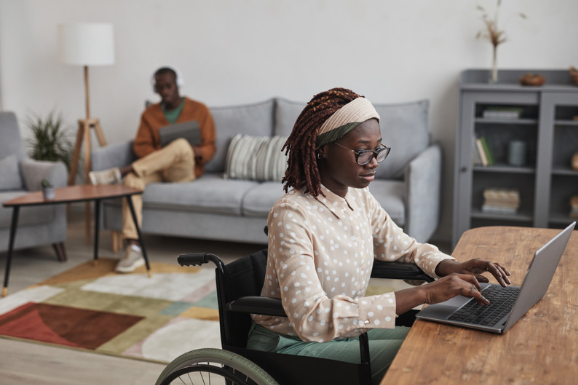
{"x":72,"y":194}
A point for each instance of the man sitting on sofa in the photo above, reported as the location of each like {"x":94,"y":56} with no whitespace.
{"x":176,"y":162}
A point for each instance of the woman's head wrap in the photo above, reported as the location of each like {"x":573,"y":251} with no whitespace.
{"x":344,"y":120}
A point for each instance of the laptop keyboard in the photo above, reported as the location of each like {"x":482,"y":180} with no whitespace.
{"x":502,"y":299}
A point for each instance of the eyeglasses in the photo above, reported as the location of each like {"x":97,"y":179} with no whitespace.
{"x":363,"y":157}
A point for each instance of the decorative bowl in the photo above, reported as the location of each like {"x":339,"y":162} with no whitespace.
{"x":530,"y":79}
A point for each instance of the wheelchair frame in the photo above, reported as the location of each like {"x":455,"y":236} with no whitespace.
{"x":238,"y":297}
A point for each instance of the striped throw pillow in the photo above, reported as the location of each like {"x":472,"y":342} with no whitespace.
{"x":257,"y":158}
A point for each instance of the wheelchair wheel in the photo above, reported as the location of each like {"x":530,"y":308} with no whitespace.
{"x":213,"y":366}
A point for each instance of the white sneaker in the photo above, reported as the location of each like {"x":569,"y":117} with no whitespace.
{"x":110,"y":176}
{"x":131,"y":259}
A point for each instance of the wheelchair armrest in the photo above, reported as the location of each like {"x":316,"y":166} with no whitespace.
{"x":398,"y":270}
{"x":257,"y":305}
{"x":198,"y":259}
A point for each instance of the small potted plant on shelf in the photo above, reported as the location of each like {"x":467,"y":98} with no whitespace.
{"x":47,"y":189}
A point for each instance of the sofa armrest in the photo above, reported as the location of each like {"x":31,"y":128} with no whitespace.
{"x":35,"y":170}
{"x":423,"y":180}
{"x":114,"y":155}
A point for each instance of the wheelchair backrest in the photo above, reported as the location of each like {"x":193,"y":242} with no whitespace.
{"x":241,"y":278}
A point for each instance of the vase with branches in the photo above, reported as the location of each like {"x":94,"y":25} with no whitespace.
{"x":50,"y":138}
{"x":494,"y":35}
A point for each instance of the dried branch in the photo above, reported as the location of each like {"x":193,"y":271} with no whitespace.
{"x":492,"y":32}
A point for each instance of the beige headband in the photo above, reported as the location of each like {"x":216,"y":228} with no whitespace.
{"x":346,"y":119}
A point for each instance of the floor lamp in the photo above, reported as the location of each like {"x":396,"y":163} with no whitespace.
{"x":86,"y":44}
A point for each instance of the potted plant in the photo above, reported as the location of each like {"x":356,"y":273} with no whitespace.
{"x":47,"y":189}
{"x":49,"y":139}
{"x":494,"y":35}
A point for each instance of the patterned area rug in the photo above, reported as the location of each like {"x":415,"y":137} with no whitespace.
{"x":131,"y":315}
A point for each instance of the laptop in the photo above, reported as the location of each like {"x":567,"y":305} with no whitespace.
{"x":187,"y":130}
{"x":507,"y":304}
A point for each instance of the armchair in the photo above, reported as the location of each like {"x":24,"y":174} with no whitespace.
{"x":19,"y":175}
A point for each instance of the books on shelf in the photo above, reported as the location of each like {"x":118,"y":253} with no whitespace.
{"x":503,"y":201}
{"x":498,"y":209}
{"x":478,"y":150}
{"x":476,"y":159}
{"x":483,"y":151}
{"x":502,"y":113}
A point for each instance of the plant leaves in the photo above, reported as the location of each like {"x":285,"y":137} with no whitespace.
{"x":50,"y":140}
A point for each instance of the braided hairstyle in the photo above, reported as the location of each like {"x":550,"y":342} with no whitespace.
{"x":302,"y":168}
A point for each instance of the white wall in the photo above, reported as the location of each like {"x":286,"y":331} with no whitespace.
{"x":242,"y":51}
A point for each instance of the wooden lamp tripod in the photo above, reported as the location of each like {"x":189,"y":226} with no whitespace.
{"x":86,"y":44}
{"x":83,"y":139}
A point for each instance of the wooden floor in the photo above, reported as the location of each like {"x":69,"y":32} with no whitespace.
{"x":30,"y":363}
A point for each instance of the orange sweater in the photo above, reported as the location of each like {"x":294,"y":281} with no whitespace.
{"x":152,"y":119}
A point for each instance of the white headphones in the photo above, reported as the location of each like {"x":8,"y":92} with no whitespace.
{"x":180,"y":81}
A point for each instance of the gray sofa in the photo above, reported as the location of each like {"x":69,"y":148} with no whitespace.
{"x":19,"y":175}
{"x":407,"y":183}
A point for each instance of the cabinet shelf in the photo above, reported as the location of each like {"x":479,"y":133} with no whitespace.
{"x":566,"y":123}
{"x":506,"y":121}
{"x":561,"y":219}
{"x":504,"y":168}
{"x":519,"y":216}
{"x":564,"y":171}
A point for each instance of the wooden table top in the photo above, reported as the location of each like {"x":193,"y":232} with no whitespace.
{"x":541,"y":348}
{"x":74,"y":194}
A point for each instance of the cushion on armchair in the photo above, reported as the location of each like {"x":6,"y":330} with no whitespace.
{"x":257,"y":158}
{"x":250,"y":119}
{"x":10,"y":178}
{"x":286,"y":114}
{"x":404,"y":128}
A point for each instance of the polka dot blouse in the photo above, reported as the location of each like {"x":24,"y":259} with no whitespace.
{"x":320,"y":258}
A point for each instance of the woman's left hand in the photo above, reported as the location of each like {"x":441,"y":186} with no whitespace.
{"x":475,"y":267}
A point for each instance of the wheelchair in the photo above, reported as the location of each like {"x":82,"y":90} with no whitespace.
{"x":239,"y":285}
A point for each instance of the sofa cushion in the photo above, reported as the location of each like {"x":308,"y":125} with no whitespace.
{"x":286,"y":114}
{"x":256,"y":158}
{"x":259,"y":199}
{"x":32,"y":215}
{"x":211,"y":194}
{"x":390,"y":195}
{"x":251,"y":119}
{"x":10,"y":139}
{"x":404,"y":128}
{"x":10,"y":178}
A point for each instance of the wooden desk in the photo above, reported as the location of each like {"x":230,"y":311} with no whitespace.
{"x":541,"y":348}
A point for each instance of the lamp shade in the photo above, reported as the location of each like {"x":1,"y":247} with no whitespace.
{"x":86,"y":44}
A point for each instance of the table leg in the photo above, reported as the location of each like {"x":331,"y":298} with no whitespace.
{"x":13,"y":228}
{"x":96,"y":229}
{"x":144,"y":253}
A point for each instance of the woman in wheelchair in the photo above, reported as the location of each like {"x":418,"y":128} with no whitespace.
{"x":325,"y":233}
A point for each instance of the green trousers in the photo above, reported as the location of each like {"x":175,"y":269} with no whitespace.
{"x":383,"y":346}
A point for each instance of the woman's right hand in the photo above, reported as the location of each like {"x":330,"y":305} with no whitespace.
{"x":452,"y":285}
{"x":441,"y":290}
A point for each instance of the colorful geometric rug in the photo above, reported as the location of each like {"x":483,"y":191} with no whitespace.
{"x":131,"y":315}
